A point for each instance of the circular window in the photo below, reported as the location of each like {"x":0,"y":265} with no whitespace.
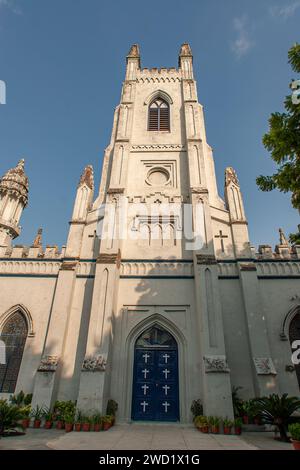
{"x":158,"y":177}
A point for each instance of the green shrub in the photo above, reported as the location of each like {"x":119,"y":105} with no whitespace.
{"x":197,"y":408}
{"x":294,"y":430}
{"x":112,"y":407}
{"x":10,"y":415}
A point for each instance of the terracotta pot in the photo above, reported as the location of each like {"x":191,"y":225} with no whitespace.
{"x":37,"y":423}
{"x":246,"y":419}
{"x":48,"y":424}
{"x":227,"y":430}
{"x":86,"y":427}
{"x":97,"y":427}
{"x":77,"y":427}
{"x":25,"y":423}
{"x":106,"y":426}
{"x":238,"y":431}
{"x":60,"y":425}
{"x":204,"y":429}
{"x":296,"y":444}
{"x":69,"y":427}
{"x":215,"y":429}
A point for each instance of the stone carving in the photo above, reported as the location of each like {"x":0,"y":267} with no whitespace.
{"x":231,"y":176}
{"x":264,"y":366}
{"x":87,"y":177}
{"x":206,"y":259}
{"x":185,"y":50}
{"x":48,"y":364}
{"x":108,"y":258}
{"x":134,"y":51}
{"x":247,"y":267}
{"x":15,"y":183}
{"x":282,"y":238}
{"x":68,"y":265}
{"x":215,"y":364}
{"x":37,"y":242}
{"x":94,"y":364}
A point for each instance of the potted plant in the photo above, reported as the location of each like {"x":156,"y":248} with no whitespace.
{"x":69,"y":421}
{"x":201,"y":423}
{"x":227,"y":425}
{"x":78,"y":421}
{"x":294,"y":430}
{"x":214,"y":423}
{"x":37,"y":414}
{"x":97,"y":422}
{"x":111,"y":409}
{"x":58,"y":414}
{"x":246,"y":410}
{"x":107,"y":422}
{"x":238,"y":426}
{"x":86,"y":424}
{"x":25,"y":411}
{"x":10,"y":415}
{"x":48,"y":416}
{"x":277,"y":410}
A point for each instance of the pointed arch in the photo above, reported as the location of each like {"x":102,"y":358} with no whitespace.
{"x":18,"y":308}
{"x":158,"y":94}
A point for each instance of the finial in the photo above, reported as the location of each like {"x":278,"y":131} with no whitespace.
{"x":134,"y":51}
{"x":282,"y":238}
{"x":231,"y":176}
{"x":185,"y":50}
{"x":21,"y":164}
{"x":87,"y":177}
{"x":37,"y":242}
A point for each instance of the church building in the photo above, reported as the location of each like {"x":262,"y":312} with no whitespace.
{"x":136,"y":307}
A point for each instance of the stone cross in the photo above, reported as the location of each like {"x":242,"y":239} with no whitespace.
{"x":166,"y":357}
{"x":166,"y":372}
{"x":146,"y":356}
{"x":166,"y":388}
{"x":145,"y":372}
{"x":145,"y":387}
{"x":221,"y":236}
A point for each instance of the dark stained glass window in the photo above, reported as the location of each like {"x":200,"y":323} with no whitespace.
{"x":13,"y":335}
{"x":294,"y":334}
{"x":155,"y":337}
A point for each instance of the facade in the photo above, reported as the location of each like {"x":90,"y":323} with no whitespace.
{"x":153,"y":320}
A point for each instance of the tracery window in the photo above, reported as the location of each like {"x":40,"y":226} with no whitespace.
{"x":159,"y":116}
{"x":13,"y":335}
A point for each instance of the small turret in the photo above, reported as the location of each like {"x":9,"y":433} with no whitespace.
{"x":13,"y":199}
{"x":185,"y":61}
{"x":133,"y":61}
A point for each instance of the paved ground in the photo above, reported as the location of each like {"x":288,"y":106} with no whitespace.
{"x":140,"y":436}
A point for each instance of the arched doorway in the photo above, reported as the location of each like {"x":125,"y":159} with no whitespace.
{"x":294,"y":334}
{"x":155,"y":377}
{"x":13,"y":334}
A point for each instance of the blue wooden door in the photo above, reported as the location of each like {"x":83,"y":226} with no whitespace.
{"x":155,"y":384}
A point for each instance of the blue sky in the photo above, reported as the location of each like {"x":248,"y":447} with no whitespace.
{"x":63,"y":62}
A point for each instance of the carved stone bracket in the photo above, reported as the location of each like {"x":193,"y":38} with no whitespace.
{"x":68,"y":265}
{"x":108,"y":258}
{"x":94,"y":364}
{"x":115,"y":190}
{"x":247,"y":267}
{"x":264,"y":366}
{"x":48,"y":364}
{"x":206,"y":259}
{"x":215,"y":364}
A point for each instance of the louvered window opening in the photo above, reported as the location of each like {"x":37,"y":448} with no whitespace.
{"x":159,"y":116}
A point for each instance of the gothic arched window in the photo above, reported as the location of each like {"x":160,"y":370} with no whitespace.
{"x":13,"y":335}
{"x":159,"y":115}
{"x":294,"y":334}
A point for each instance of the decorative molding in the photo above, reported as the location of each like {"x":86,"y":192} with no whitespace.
{"x":115,"y":190}
{"x":247,"y":267}
{"x":206,"y":259}
{"x":94,"y":364}
{"x":215,"y":364}
{"x":48,"y":364}
{"x":68,"y":265}
{"x":157,"y":147}
{"x":108,"y":258}
{"x":198,"y":190}
{"x":157,"y":268}
{"x":264,"y":366}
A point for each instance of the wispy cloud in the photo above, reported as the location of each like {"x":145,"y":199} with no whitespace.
{"x":284,"y":12}
{"x":243,"y":42}
{"x":10,"y":5}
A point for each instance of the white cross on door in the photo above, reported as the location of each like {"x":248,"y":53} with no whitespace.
{"x":166,"y":405}
{"x":144,"y":404}
{"x":166,"y":388}
{"x":146,"y":356}
{"x":166,"y":357}
{"x":166,"y":372}
{"x":145,"y":372}
{"x":145,"y":388}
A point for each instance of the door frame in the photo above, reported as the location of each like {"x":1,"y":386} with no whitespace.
{"x":137,"y":330}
